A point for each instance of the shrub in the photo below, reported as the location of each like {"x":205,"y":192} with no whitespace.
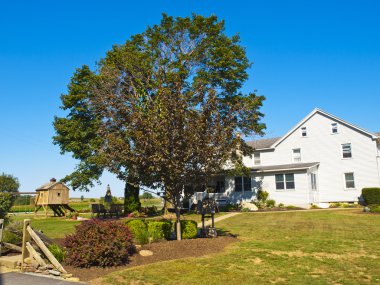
{"x":371,"y":196}
{"x":11,"y":237}
{"x":98,"y":243}
{"x":375,"y":209}
{"x":335,"y":205}
{"x":281,"y":205}
{"x":92,"y":200}
{"x":139,"y":231}
{"x":314,"y":207}
{"x":271,"y":203}
{"x":262,"y":195}
{"x":291,"y":207}
{"x":159,"y":229}
{"x":189,"y":229}
{"x":58,"y":252}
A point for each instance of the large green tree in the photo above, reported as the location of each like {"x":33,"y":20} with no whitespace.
{"x":77,"y":133}
{"x":9,"y":185}
{"x":168,"y":106}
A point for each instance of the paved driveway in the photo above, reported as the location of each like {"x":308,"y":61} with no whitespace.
{"x":14,"y":278}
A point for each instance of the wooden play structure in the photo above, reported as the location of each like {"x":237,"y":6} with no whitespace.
{"x":53,"y":195}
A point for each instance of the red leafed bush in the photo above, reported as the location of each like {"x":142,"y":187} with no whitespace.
{"x":98,"y":243}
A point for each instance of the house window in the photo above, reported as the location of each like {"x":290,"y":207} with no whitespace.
{"x":257,"y":158}
{"x":313,"y":178}
{"x":350,"y":180}
{"x":304,"y":132}
{"x":334,"y":128}
{"x":242,"y":184}
{"x":346,"y":150}
{"x":238,"y":184}
{"x":219,"y":186}
{"x":247,"y":183}
{"x":59,"y":194}
{"x":297,"y":155}
{"x":285,"y":181}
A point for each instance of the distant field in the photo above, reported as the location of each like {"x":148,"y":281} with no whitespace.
{"x":85,"y":205}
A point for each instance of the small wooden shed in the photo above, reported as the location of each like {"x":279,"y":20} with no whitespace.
{"x":54,"y":195}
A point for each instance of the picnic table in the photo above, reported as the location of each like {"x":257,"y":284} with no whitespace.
{"x":100,"y":210}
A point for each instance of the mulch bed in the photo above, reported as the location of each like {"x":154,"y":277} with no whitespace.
{"x":165,"y":250}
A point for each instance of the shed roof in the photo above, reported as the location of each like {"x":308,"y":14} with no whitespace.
{"x":49,"y":185}
{"x":284,"y":167}
{"x":263,"y":143}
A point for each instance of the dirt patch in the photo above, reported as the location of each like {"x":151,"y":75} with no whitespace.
{"x":165,"y":250}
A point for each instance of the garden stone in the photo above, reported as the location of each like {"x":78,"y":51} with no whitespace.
{"x":249,"y":206}
{"x":55,"y":272}
{"x":145,"y":253}
{"x":366,"y":209}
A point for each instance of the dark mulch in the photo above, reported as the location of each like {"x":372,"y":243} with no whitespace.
{"x":165,"y":250}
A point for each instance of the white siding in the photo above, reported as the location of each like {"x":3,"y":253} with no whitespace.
{"x":322,"y":146}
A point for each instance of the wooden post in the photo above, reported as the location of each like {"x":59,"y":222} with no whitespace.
{"x":1,"y":232}
{"x":25,"y":239}
{"x":45,"y":250}
{"x":35,"y":254}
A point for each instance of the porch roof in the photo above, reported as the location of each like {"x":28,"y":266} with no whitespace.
{"x":284,"y":167}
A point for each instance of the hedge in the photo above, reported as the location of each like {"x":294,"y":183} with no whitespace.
{"x":189,"y":229}
{"x":371,"y":196}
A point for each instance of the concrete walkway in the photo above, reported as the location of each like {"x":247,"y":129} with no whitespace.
{"x":15,"y":278}
{"x":218,"y":219}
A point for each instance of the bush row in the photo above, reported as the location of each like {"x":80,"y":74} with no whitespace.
{"x":146,"y":231}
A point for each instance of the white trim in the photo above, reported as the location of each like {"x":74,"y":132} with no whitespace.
{"x":315,"y":111}
{"x":286,"y":169}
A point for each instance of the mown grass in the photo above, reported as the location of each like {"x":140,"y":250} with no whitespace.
{"x":318,"y":247}
{"x":53,"y":227}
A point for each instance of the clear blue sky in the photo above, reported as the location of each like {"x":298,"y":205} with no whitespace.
{"x":306,"y":54}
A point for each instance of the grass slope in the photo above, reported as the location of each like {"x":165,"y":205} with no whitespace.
{"x":317,"y":247}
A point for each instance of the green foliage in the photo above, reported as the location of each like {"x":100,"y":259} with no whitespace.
{"x":131,"y":195}
{"x":177,"y":105}
{"x":8,"y":185}
{"x":159,"y":229}
{"x":150,"y":231}
{"x":314,"y":207}
{"x":371,"y":196}
{"x":270,"y":203}
{"x":262,"y":195}
{"x":92,"y":200}
{"x":375,"y":209}
{"x":281,"y":205}
{"x":58,"y":252}
{"x":335,"y":205}
{"x":146,"y":195}
{"x":139,"y":231}
{"x":189,"y":229}
{"x":98,"y":243}
{"x":11,"y":237}
{"x":262,"y":200}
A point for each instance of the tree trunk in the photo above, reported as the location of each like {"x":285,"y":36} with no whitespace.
{"x":131,"y":195}
{"x":178,"y":222}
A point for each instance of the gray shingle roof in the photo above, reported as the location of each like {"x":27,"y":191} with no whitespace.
{"x":283,"y":167}
{"x":47,"y":186}
{"x":263,"y":143}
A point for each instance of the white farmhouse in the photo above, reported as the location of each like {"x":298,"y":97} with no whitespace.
{"x":322,"y":159}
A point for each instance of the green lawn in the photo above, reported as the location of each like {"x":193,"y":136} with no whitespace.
{"x":317,"y":247}
{"x":53,"y":227}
